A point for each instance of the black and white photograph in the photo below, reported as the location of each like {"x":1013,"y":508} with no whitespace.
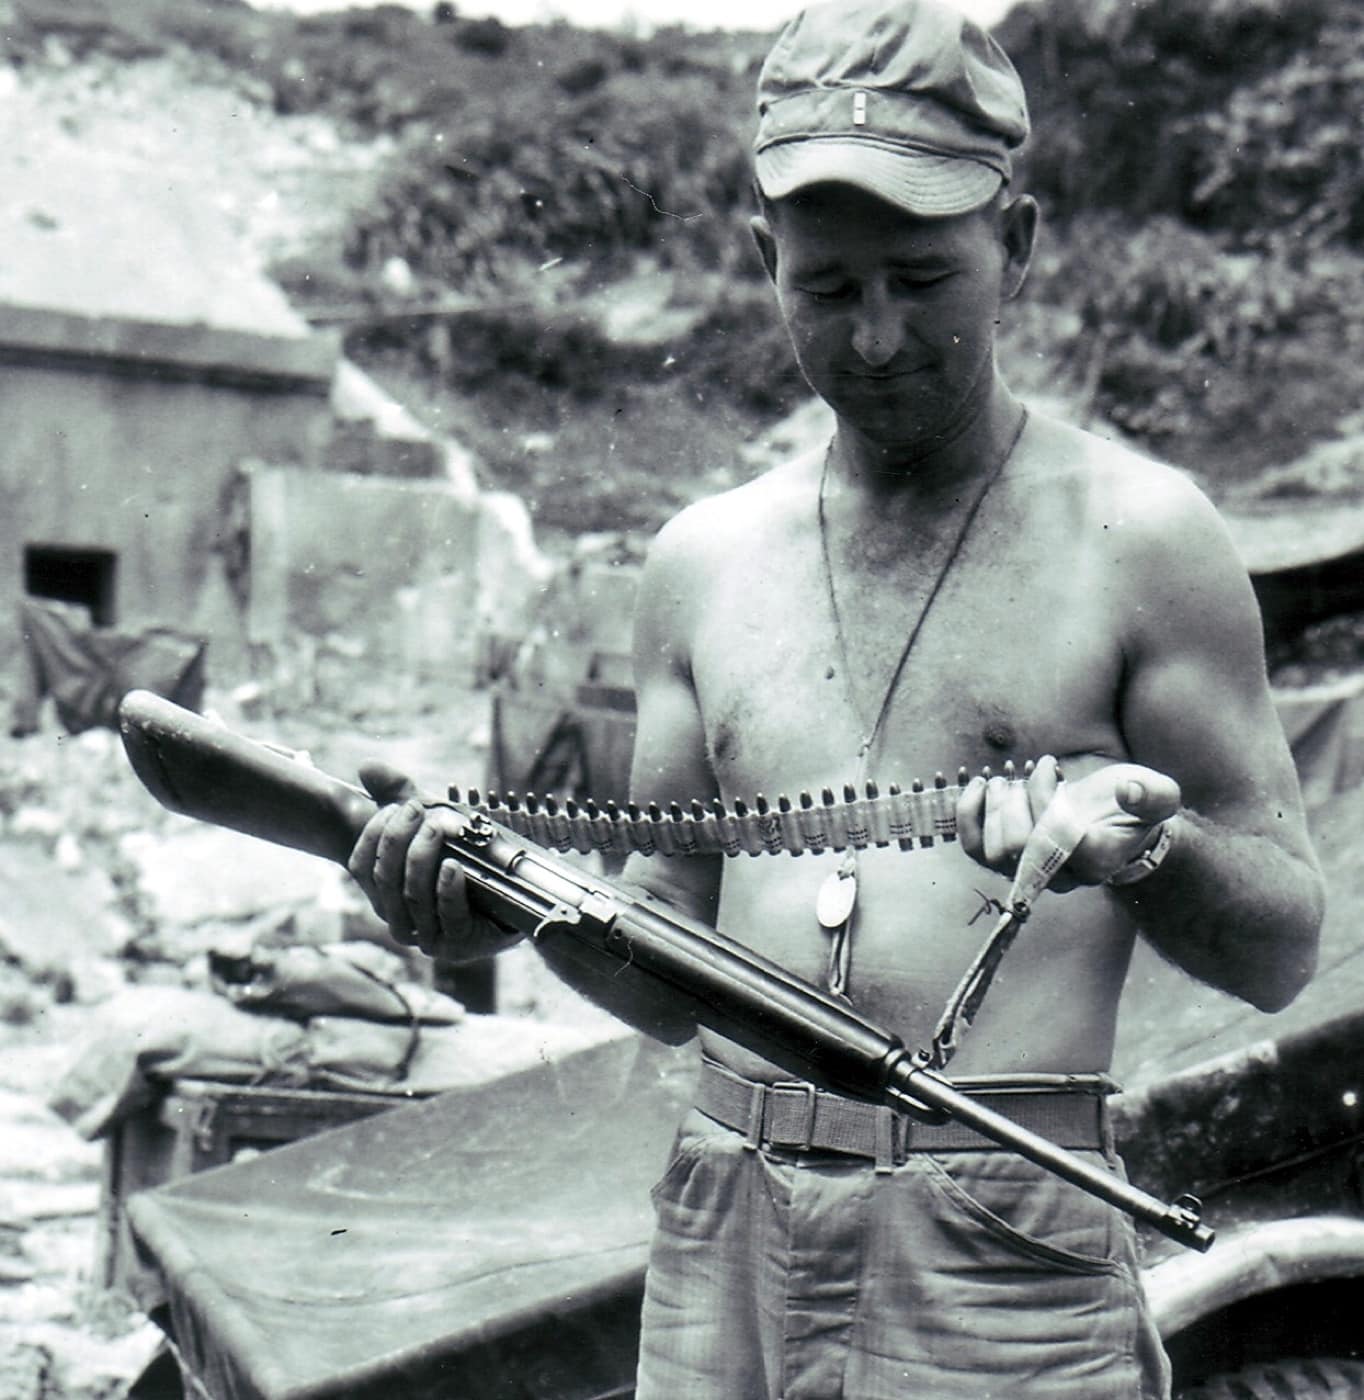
{"x":685,"y":710}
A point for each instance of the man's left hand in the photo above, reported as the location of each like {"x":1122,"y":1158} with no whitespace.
{"x":1119,"y":807}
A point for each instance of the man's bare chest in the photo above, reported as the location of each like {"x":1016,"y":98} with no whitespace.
{"x":1007,"y":662}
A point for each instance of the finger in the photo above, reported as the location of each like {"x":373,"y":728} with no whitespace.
{"x":388,"y":787}
{"x":424,"y":856}
{"x":1149,"y":796}
{"x":452,"y":899}
{"x":1043,"y":781}
{"x":390,"y":867}
{"x":384,"y":783}
{"x":970,"y":818}
{"x":365,"y":852}
{"x":1008,"y":821}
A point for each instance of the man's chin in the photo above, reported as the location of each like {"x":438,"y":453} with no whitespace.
{"x":890,"y":426}
{"x":897,"y":415}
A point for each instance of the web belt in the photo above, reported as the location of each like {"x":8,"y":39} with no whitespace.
{"x":1069,"y":1110}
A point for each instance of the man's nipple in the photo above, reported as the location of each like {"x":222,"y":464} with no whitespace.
{"x":1001,"y":736}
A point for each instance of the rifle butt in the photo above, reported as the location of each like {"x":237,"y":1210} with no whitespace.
{"x":203,"y":770}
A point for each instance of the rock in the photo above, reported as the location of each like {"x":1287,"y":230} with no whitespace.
{"x":39,"y":1151}
{"x":63,"y":1246}
{"x":461,"y":468}
{"x":94,"y":980}
{"x":53,"y":1200}
{"x":54,"y":918}
{"x":68,"y":853}
{"x":21,"y":1002}
{"x":79,"y":1362}
{"x":512,"y":571}
{"x":38,"y":1302}
{"x":25,"y":1371}
{"x":37,"y":821}
{"x":14,"y":1270}
{"x":201,"y":873}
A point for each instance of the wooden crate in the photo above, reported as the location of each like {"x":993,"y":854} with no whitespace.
{"x":199,"y":1124}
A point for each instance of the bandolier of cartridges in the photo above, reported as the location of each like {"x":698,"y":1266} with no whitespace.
{"x":921,"y":816}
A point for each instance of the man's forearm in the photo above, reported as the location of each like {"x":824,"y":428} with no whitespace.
{"x":641,"y":1004}
{"x":1238,"y":911}
{"x":645,"y":1008}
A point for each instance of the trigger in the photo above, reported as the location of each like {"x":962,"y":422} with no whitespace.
{"x":561,"y":916}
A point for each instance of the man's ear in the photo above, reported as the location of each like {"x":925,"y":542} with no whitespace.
{"x":1018,"y":227}
{"x":767,"y":244}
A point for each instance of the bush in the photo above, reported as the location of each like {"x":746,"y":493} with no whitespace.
{"x":1131,"y":100}
{"x":489,"y":37}
{"x":564,"y":352}
{"x":534,"y":176}
{"x":1330,"y":648}
{"x":742,"y":354}
{"x":1284,"y":159}
{"x":1176,"y":336}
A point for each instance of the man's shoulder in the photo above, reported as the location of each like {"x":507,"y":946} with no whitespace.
{"x":1062,"y":444}
{"x":744,"y":516}
{"x":1122,"y":487}
{"x":695,"y":555}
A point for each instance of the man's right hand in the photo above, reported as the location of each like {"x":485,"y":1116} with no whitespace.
{"x":400,"y":862}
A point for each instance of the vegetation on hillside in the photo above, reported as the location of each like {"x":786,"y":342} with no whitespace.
{"x":1200,"y":162}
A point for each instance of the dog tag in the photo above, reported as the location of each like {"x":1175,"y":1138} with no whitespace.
{"x":837,"y":895}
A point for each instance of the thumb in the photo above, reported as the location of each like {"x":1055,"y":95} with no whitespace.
{"x":1150,"y":797}
{"x":384,"y":783}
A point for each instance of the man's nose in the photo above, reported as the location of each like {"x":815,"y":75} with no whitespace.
{"x":878,"y":332}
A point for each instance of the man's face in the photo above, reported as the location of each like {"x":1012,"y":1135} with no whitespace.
{"x":893,"y":317}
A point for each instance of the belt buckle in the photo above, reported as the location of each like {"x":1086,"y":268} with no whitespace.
{"x":804,"y":1137}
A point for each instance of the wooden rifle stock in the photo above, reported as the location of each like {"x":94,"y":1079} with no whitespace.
{"x":204,"y":770}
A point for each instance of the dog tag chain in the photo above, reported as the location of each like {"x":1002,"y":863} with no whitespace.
{"x":836,"y":901}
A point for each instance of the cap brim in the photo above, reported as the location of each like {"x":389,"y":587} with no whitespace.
{"x":929,"y":186}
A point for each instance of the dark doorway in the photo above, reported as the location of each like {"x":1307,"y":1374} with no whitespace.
{"x":84,"y":576}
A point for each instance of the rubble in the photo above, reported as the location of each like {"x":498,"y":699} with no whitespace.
{"x":197,"y":874}
{"x":59,"y":1339}
{"x":57,"y":916}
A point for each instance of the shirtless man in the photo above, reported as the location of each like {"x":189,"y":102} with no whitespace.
{"x":953,"y":581}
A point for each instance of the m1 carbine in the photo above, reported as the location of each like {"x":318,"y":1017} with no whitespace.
{"x":204,"y":770}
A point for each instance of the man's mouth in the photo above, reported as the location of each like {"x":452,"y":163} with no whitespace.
{"x":883,"y":375}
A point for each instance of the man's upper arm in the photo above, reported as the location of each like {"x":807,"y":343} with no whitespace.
{"x":1196,"y":701}
{"x":671,"y":762}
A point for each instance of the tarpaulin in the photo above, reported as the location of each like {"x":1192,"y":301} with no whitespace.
{"x":577,"y":747}
{"x":87,"y":670}
{"x":486,"y":1243}
{"x":357,"y":978}
{"x":1325,"y":728}
{"x":148,"y":1037}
